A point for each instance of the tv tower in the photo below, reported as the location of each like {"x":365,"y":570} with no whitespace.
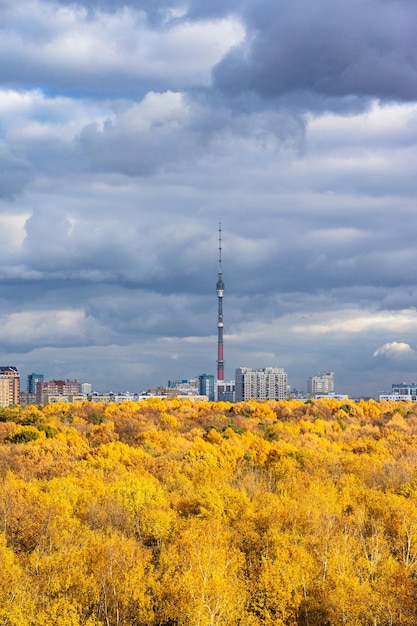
{"x":220,"y":293}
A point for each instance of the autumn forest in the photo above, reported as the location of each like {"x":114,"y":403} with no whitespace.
{"x":181,"y":513}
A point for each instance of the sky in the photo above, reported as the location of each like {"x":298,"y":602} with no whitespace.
{"x":128,"y":129}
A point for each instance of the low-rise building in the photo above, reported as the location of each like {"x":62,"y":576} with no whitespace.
{"x":331,"y":396}
{"x":65,"y":398}
{"x":185,"y":386}
{"x":27,"y":398}
{"x":402,"y":391}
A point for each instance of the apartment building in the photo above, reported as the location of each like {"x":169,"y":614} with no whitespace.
{"x":321,"y":384}
{"x":49,"y":388}
{"x":270,"y":383}
{"x":9,"y":386}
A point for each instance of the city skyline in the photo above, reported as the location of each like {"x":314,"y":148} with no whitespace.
{"x":128,"y":129}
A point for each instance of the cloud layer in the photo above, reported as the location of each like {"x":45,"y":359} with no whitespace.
{"x":127,"y":130}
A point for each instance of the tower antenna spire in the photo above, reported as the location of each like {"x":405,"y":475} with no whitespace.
{"x":220,"y":293}
{"x":220,"y":247}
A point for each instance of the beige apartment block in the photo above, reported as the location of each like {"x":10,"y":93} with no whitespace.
{"x":9,"y":386}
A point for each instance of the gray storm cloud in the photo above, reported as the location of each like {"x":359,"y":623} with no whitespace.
{"x":335,"y":49}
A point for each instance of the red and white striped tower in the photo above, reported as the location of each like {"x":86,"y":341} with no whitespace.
{"x":220,"y":293}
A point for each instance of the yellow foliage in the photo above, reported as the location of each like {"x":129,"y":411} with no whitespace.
{"x":102,"y":433}
{"x":203,"y":579}
{"x":63,"y":612}
{"x":169,"y":421}
{"x":16,"y":606}
{"x":209,"y":514}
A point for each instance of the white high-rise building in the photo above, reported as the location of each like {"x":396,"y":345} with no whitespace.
{"x":270,"y":383}
{"x":323,"y":383}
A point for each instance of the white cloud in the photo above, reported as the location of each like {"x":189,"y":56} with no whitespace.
{"x":70,"y":39}
{"x":381,"y":123}
{"x":31,"y":115}
{"x":12,"y":233}
{"x":396,"y":350}
{"x":355,"y":321}
{"x":155,"y":110}
{"x":48,"y":327}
